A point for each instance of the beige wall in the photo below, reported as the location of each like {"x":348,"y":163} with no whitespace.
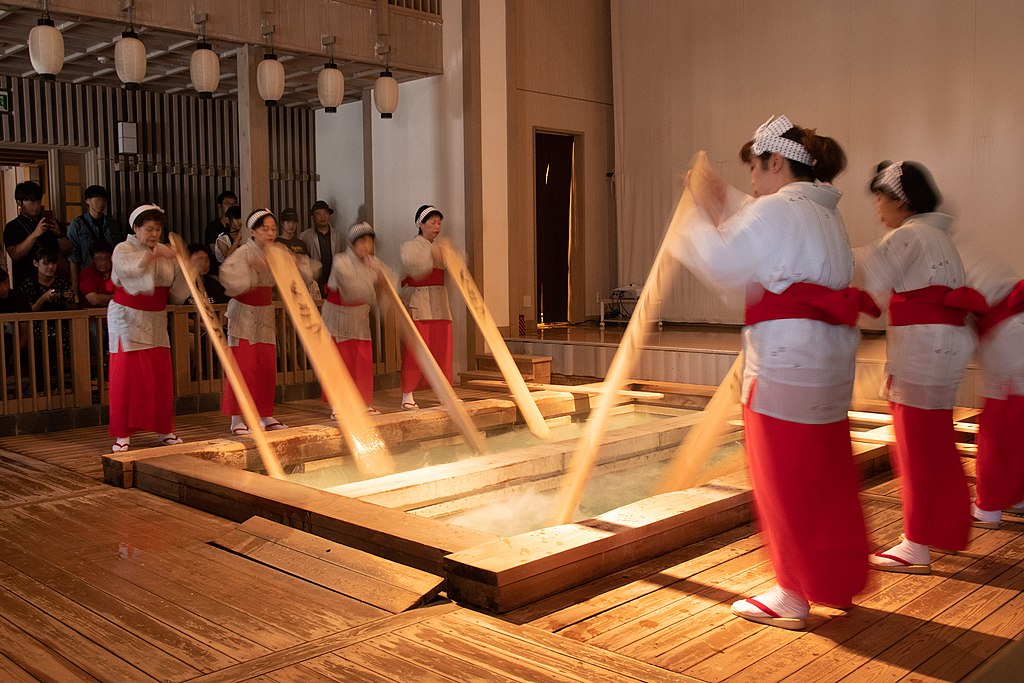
{"x":560,"y":81}
{"x":936,"y":81}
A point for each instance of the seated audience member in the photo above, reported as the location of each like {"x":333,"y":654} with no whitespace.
{"x":94,"y":225}
{"x":232,"y":237}
{"x":12,"y":302}
{"x":47,"y":291}
{"x":95,"y":288}
{"x":200,"y":259}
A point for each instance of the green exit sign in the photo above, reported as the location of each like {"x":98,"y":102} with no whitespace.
{"x":5,"y":101}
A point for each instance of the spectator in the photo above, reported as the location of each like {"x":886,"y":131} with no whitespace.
{"x":199,"y":257}
{"x":32,"y":226}
{"x":290,"y":232}
{"x":231,"y":238}
{"x":214,"y":228}
{"x":93,"y":226}
{"x":47,"y":291}
{"x":95,"y":288}
{"x":323,"y":241}
{"x":12,"y":302}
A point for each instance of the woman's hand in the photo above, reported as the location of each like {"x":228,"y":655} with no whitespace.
{"x":165,"y":251}
{"x":708,"y":190}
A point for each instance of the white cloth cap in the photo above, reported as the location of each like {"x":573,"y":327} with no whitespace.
{"x":140,"y":210}
{"x":891,"y":180}
{"x":256,"y":217}
{"x":360,"y":230}
{"x":768,"y":138}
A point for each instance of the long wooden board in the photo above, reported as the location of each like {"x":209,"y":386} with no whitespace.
{"x":364,"y":441}
{"x":231,"y":370}
{"x":492,"y":336}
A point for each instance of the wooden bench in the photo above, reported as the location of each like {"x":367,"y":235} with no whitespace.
{"x":534,"y":368}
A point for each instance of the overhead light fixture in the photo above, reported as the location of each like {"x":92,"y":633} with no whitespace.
{"x":385,"y":94}
{"x":330,"y":82}
{"x":130,"y":53}
{"x":270,"y":72}
{"x":46,"y":46}
{"x":204,"y":65}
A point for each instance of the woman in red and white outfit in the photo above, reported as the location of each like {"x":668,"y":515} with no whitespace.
{"x":346,"y":310}
{"x":788,"y":250}
{"x":917,"y":268}
{"x":246,"y":277}
{"x":425,"y":294}
{"x":1000,"y":461}
{"x":141,"y":382}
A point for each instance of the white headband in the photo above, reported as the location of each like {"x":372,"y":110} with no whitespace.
{"x":427,"y":210}
{"x":256,"y":217}
{"x":140,"y":210}
{"x":768,"y":138}
{"x":891,"y":179}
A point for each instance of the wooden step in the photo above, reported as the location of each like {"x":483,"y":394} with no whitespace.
{"x":374,"y":580}
{"x":534,"y":368}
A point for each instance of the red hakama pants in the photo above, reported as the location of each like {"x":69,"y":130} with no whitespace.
{"x":258,"y":363}
{"x":438,"y":336}
{"x":357,"y":354}
{"x":141,"y":392}
{"x":805,"y":490}
{"x":936,"y":501}
{"x":1000,"y":461}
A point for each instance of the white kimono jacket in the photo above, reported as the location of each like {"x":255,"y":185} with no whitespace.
{"x":138,"y":271}
{"x":246,"y":269}
{"x":925,"y":363}
{"x":803,"y":368}
{"x":424,"y":303}
{"x":355,"y":281}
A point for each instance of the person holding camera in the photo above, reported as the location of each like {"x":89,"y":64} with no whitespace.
{"x":33,"y":226}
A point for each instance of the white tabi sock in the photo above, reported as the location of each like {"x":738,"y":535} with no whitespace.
{"x":914,"y":553}
{"x":784,"y":603}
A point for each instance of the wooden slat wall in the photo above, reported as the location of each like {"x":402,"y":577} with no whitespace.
{"x":188,"y":147}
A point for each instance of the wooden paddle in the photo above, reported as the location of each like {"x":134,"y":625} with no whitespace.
{"x":211,"y":321}
{"x":428,"y":365}
{"x":492,"y":336}
{"x":364,"y":441}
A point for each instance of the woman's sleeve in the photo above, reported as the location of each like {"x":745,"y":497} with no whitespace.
{"x":416,"y":260}
{"x":724,"y":257}
{"x":236,"y":275}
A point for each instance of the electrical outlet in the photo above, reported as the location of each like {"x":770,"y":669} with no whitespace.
{"x":527,"y":301}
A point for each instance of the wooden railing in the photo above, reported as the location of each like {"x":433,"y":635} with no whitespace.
{"x":54,"y":361}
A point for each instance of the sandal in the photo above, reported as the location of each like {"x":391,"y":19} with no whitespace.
{"x":754,"y":610}
{"x":119,"y":446}
{"x":409,"y":405}
{"x":240,"y":430}
{"x":273,"y":426}
{"x":370,"y":410}
{"x":171,"y":440}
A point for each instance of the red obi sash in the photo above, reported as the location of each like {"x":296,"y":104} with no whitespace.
{"x":334,"y":296}
{"x":435,"y":278}
{"x":1011,"y":305}
{"x":257,"y":296}
{"x":935,"y":305}
{"x":157,"y":301}
{"x":809,"y":301}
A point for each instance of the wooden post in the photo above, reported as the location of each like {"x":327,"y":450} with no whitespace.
{"x":364,"y":441}
{"x":253,"y":133}
{"x":231,"y":370}
{"x":435,"y":376}
{"x":489,"y":329}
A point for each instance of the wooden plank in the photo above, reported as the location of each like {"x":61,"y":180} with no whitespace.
{"x":12,"y":673}
{"x":334,"y":667}
{"x":412,"y":664}
{"x":315,"y":648}
{"x":442,"y":654}
{"x":38,"y":660}
{"x":371,"y":579}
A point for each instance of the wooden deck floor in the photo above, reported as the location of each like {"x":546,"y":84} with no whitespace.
{"x":99,"y":583}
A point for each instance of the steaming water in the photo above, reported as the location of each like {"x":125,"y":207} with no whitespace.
{"x":440,"y":451}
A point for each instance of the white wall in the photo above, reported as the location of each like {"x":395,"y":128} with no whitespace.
{"x":935,"y":81}
{"x":339,"y":161}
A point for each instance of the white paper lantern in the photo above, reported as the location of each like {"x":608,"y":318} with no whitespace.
{"x":204,"y":67}
{"x":270,"y":79}
{"x":46,"y":49}
{"x":330,"y":87}
{"x":385,"y":94}
{"x":130,"y":60}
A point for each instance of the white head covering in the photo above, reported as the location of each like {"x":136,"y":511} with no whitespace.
{"x":360,"y":230}
{"x":768,"y":138}
{"x":426,"y":211}
{"x":891,"y":180}
{"x":256,"y":217}
{"x":139,"y":211}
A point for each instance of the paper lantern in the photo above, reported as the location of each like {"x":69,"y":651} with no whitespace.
{"x":330,"y":87}
{"x":270,"y":79}
{"x":385,"y":94}
{"x":130,"y":60}
{"x":46,"y":49}
{"x":204,"y":68}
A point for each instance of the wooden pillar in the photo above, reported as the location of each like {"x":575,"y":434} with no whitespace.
{"x":253,"y":134}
